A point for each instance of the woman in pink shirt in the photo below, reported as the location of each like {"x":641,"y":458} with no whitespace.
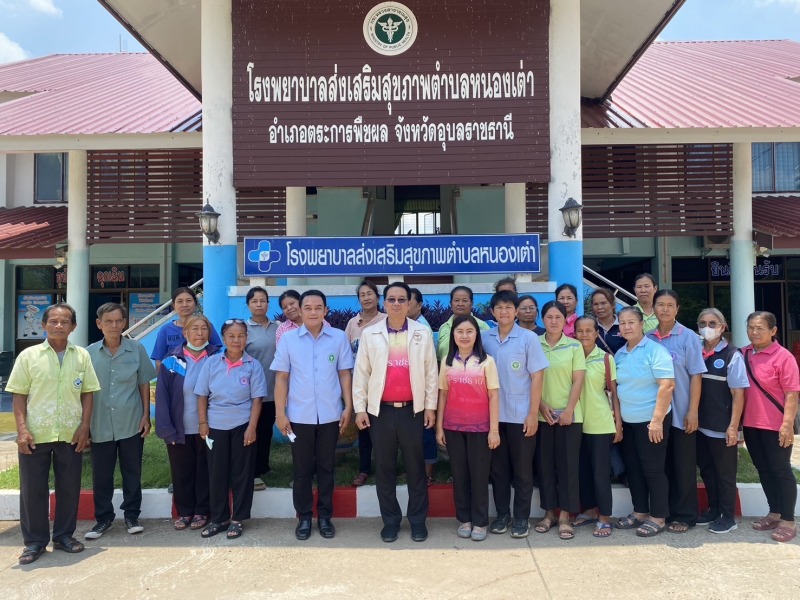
{"x":770,"y":406}
{"x":567,"y":294}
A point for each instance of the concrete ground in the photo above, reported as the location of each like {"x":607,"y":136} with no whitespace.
{"x":268,"y":560}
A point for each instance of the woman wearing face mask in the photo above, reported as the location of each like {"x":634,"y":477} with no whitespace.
{"x":567,"y":295}
{"x":721,"y":404}
{"x":687,"y":357}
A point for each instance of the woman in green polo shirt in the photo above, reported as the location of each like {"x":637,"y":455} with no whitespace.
{"x":602,"y":427}
{"x":560,"y":423}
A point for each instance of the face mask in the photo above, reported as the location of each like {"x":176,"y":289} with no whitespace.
{"x":195,"y":348}
{"x":709,"y":334}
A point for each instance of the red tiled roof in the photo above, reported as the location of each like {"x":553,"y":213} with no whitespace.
{"x":706,"y":84}
{"x":32,"y":232}
{"x":92,"y":94}
{"x":777,"y":215}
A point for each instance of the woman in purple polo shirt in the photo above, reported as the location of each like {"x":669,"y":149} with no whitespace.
{"x":229,"y":391}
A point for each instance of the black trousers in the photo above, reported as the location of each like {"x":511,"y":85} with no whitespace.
{"x":645,"y":466}
{"x":774,"y":470}
{"x":365,"y":451}
{"x":34,"y":492}
{"x":399,"y":428}
{"x":512,"y":465}
{"x":314,"y":450}
{"x":104,"y":461}
{"x":230,"y":467}
{"x":264,"y":439}
{"x":470,"y":458}
{"x":189,"y":465}
{"x":595,"y":467}
{"x":682,"y":474}
{"x":718,"y":462}
{"x":558,"y":464}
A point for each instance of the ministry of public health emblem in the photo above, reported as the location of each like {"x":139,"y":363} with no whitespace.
{"x":390,"y":28}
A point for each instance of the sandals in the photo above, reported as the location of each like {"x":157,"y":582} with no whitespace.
{"x":234,"y":530}
{"x":31,"y":553}
{"x":544,"y":525}
{"x":678,"y":527}
{"x":602,"y":530}
{"x":213,"y":529}
{"x":68,"y":544}
{"x":629,"y":522}
{"x":784,"y":534}
{"x":198,"y":522}
{"x":181,"y":523}
{"x":259,"y":485}
{"x":649,"y":529}
{"x":583,"y":519}
{"x":565,"y":531}
{"x":359,"y":480}
{"x":765,"y":524}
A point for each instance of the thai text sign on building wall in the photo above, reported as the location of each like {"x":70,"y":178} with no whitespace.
{"x":391,"y":255}
{"x":365,"y":93}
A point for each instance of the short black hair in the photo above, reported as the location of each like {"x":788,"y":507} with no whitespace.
{"x":288,"y":294}
{"x":504,"y":296}
{"x":184,"y":290}
{"x":567,"y":286}
{"x":506,"y":281}
{"x":531,"y":298}
{"x":253,"y":291}
{"x":461,"y":288}
{"x":65,"y":306}
{"x":554,"y":304}
{"x":416,"y":293}
{"x":317,"y":293}
{"x":397,"y":284}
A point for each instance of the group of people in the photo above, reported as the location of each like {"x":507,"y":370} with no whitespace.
{"x":515,"y":404}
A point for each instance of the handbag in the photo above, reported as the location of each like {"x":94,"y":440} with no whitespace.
{"x":769,"y":396}
{"x":606,"y":361}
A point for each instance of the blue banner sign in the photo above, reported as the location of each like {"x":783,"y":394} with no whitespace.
{"x":391,"y":255}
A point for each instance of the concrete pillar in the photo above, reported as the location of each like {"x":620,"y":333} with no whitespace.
{"x":515,"y":207}
{"x":565,"y":254}
{"x":216,"y":55}
{"x":296,"y":210}
{"x":742,"y":255}
{"x":78,"y":249}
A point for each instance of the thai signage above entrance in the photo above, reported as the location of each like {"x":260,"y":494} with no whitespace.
{"x":402,"y":255}
{"x":357,"y":93}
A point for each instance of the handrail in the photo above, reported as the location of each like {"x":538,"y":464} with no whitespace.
{"x":160,"y":322}
{"x":610,"y":283}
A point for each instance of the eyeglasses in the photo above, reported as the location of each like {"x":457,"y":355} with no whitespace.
{"x":237,"y":321}
{"x":396,"y":300}
{"x":712,"y":324}
{"x":527,"y":309}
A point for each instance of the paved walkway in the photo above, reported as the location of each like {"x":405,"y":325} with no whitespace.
{"x":268,"y":561}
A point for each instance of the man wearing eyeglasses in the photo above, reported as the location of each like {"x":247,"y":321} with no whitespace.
{"x":395,"y":395}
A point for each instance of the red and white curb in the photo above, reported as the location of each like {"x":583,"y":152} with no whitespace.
{"x":352,"y":502}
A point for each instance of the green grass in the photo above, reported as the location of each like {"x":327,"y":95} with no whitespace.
{"x":7,"y":423}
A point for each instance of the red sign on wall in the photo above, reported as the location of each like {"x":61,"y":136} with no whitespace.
{"x":382,"y":93}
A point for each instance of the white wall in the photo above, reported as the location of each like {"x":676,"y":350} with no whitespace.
{"x":19,"y":178}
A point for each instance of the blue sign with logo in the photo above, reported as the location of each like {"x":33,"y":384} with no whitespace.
{"x":391,"y":255}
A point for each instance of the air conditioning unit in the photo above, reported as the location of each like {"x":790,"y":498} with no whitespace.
{"x":716,"y":241}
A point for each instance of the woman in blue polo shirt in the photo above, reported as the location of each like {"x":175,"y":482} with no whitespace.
{"x":229,"y":391}
{"x":560,"y":423}
{"x":686,"y":351}
{"x":645,"y":380}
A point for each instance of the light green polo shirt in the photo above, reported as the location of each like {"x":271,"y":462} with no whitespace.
{"x":650,"y":321}
{"x":118,"y":408}
{"x":597,"y":417}
{"x":53,"y":390}
{"x":443,"y":345}
{"x":564,"y":358}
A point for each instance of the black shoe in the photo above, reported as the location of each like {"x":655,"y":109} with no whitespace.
{"x":132,"y":525}
{"x":326,"y":528}
{"x":303,"y":529}
{"x":500,"y":524}
{"x":389,"y":533}
{"x":520,"y":528}
{"x":707,"y":517}
{"x":98,"y":530}
{"x":419,"y":533}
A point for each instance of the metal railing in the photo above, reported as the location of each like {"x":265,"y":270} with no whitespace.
{"x":145,"y":329}
{"x":631,"y":299}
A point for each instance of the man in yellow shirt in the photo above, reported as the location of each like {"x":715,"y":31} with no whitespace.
{"x":52,"y":384}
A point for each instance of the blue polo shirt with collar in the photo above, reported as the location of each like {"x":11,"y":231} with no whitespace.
{"x":230,"y":389}
{"x":517,"y":357}
{"x":686,"y":351}
{"x":637,"y":372}
{"x":313,"y":364}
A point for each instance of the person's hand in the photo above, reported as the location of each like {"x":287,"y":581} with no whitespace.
{"x":344,"y":420}
{"x":655,"y":431}
{"x":81,"y":438}
{"x":144,"y":426}
{"x":440,"y":439}
{"x":530,"y":425}
{"x":786,"y":435}
{"x":282,"y":422}
{"x":731,"y":436}
{"x":250,"y":435}
{"x":25,"y":443}
{"x":566,"y":417}
{"x":430,"y":418}
{"x":362,"y":420}
{"x":547,"y":413}
{"x":494,"y":440}
{"x":690,"y":422}
{"x":203,"y":430}
{"x":618,"y":427}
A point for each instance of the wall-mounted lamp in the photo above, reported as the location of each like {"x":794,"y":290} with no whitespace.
{"x":208,"y":223}
{"x":763,"y":251}
{"x":571,"y":212}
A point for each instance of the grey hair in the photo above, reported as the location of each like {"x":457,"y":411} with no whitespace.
{"x":716,"y":313}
